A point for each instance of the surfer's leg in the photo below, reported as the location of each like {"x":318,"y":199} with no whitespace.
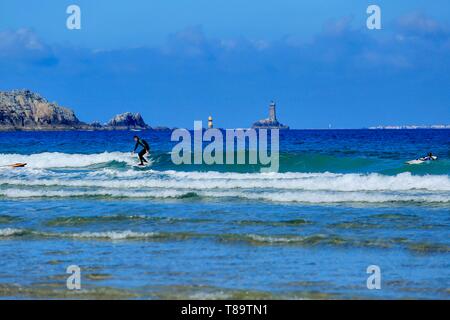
{"x":141,"y":156}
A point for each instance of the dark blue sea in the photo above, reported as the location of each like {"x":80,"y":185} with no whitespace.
{"x":342,"y":200}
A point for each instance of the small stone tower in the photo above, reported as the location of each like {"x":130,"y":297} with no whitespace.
{"x":272,"y":112}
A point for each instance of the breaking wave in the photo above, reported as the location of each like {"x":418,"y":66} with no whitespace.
{"x":84,"y":176}
{"x":274,"y":196}
{"x":100,"y":235}
{"x":215,"y":180}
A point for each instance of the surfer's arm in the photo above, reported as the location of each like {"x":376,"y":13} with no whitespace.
{"x":136,"y":146}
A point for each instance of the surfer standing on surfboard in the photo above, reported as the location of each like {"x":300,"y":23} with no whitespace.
{"x":144,"y":151}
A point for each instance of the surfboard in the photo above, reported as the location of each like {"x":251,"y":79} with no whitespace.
{"x":17,"y":165}
{"x":139,"y":166}
{"x":146,"y":164}
{"x":421,"y":160}
{"x":415,"y":161}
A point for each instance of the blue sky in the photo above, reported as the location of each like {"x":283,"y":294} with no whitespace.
{"x":178,"y":61}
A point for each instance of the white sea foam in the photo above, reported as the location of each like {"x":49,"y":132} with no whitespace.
{"x":20,"y":193}
{"x":113,"y":235}
{"x":274,"y":239}
{"x":9,"y":232}
{"x":227,"y":181}
{"x":333,"y":197}
{"x":278,"y":196}
{"x":219,"y":295}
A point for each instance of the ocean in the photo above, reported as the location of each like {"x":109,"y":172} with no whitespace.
{"x":343,"y":200}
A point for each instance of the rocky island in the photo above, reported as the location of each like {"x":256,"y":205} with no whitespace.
{"x":127,"y":121}
{"x":23,"y":110}
{"x":271,"y":122}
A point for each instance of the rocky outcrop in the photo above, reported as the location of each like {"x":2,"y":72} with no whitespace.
{"x":96,"y":125}
{"x":28,"y":111}
{"x":162,"y":128}
{"x":25,"y":110}
{"x":127,"y":120}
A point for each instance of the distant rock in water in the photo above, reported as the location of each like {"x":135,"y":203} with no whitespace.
{"x":162,"y":128}
{"x":127,"y":120}
{"x":25,"y":110}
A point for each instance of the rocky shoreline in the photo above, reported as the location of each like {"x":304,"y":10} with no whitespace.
{"x":24,"y":110}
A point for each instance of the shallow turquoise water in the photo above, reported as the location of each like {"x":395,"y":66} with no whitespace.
{"x":343,"y":200}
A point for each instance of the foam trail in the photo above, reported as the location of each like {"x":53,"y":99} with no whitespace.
{"x":113,"y":235}
{"x":50,"y":160}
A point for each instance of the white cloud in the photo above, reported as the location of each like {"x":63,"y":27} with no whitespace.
{"x":20,"y":40}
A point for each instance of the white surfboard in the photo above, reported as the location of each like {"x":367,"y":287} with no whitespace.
{"x":146,"y":164}
{"x":139,"y":166}
{"x":421,"y":160}
{"x":415,"y":161}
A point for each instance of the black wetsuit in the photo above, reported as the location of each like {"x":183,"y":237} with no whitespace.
{"x":146,"y":149}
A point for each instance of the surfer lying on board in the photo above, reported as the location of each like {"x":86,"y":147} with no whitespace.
{"x":429,"y":157}
{"x":144,"y":151}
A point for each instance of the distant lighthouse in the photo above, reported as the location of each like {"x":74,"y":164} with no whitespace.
{"x":271,"y":122}
{"x":272,"y":112}
{"x":210,"y":122}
